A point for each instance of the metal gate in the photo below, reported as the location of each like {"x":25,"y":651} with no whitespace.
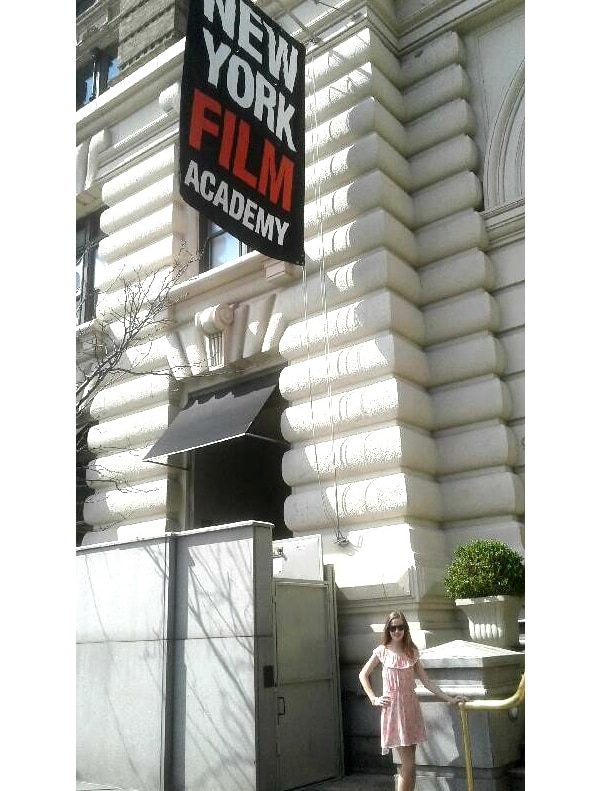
{"x":309,"y":738}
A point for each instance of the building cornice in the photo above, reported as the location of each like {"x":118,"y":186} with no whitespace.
{"x":419,"y":22}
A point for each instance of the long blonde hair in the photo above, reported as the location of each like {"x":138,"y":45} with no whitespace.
{"x":410,"y":647}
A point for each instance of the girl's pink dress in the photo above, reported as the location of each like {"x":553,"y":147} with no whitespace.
{"x":402,"y":723}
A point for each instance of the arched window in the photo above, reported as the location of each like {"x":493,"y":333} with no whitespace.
{"x":504,"y":164}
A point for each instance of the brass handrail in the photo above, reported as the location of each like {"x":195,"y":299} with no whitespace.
{"x":484,"y":705}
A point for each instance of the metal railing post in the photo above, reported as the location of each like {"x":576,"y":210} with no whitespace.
{"x":484,"y":705}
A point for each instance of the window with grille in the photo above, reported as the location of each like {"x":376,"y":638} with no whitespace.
{"x":88,"y":236}
{"x":96,"y":76}
{"x":218,"y":245}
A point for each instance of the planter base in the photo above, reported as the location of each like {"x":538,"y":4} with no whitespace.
{"x":493,"y":620}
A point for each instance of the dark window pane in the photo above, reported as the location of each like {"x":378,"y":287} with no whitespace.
{"x":88,"y":235}
{"x":112,"y":68}
{"x":223,"y":248}
{"x":95,"y":77}
{"x":219,"y":246}
{"x":83,"y":5}
{"x":109,"y":66}
{"x":84,"y":85}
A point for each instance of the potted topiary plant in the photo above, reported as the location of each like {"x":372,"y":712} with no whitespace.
{"x":487,"y":580}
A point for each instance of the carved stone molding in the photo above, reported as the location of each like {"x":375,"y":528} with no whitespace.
{"x":504,"y":163}
{"x":505,"y":224}
{"x":214,"y":323}
{"x":226,"y":337}
{"x":169,"y":99}
{"x":87,"y":159}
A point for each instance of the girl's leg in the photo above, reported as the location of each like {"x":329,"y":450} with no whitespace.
{"x":407,"y":768}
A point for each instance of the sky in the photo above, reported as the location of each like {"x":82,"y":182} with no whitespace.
{"x":37,"y":467}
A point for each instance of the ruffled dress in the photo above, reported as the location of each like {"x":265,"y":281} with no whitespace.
{"x":402,"y":723}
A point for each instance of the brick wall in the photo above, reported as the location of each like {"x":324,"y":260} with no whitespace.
{"x":148,"y":27}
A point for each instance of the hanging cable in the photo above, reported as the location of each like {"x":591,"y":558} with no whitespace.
{"x":341,"y":539}
{"x":312,"y":36}
{"x":327,"y":5}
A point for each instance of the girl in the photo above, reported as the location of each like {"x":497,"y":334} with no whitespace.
{"x":402,"y":724}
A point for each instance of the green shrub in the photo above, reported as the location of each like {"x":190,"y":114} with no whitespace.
{"x":484,"y":567}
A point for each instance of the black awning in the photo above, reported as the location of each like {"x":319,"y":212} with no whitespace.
{"x":219,"y":416}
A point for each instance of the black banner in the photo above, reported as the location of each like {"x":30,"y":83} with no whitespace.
{"x":242,"y":126}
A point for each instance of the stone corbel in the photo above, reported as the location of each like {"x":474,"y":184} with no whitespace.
{"x":215,"y":323}
{"x":82,"y":158}
{"x":98,"y":143}
{"x":170,"y":98}
{"x":229,"y":337}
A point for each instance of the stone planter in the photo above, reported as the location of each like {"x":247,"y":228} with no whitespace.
{"x":493,"y":620}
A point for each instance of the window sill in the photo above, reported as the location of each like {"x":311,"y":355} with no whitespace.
{"x":275,"y":272}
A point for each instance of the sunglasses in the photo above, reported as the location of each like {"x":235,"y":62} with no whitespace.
{"x":398,"y":627}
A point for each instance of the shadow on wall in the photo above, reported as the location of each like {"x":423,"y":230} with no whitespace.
{"x":165,"y":663}
{"x":213,"y":668}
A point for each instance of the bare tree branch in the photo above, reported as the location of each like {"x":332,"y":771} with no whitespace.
{"x":139,"y":314}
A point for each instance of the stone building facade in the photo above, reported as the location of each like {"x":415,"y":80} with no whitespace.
{"x":398,"y":350}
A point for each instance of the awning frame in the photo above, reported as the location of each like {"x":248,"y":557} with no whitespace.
{"x":219,"y":416}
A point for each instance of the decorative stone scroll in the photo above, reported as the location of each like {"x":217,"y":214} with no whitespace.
{"x":215,"y":322}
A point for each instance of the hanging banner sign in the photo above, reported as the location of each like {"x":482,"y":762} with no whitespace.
{"x":242,"y":126}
